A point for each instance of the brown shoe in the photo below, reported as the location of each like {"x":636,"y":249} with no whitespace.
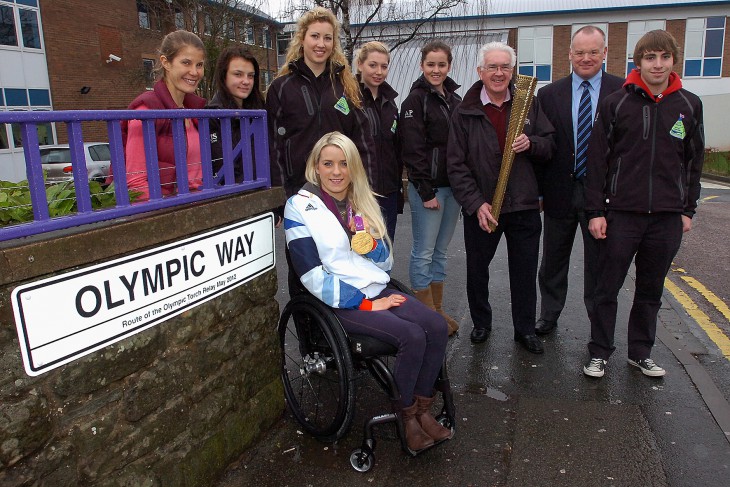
{"x":429,"y":424}
{"x":416,"y":438}
{"x":425,"y":296}
{"x":437,"y":293}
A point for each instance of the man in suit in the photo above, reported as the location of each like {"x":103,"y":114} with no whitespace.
{"x":563,"y":177}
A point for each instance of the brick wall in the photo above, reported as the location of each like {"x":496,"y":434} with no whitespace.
{"x":561,"y":46}
{"x":80,"y":35}
{"x":616,"y":58}
{"x":678,"y":28}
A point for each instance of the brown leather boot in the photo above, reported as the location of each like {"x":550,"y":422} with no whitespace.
{"x":437,"y":293}
{"x":425,"y":296}
{"x":416,"y":438}
{"x":429,"y":424}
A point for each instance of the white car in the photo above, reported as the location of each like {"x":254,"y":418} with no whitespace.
{"x":56,"y":160}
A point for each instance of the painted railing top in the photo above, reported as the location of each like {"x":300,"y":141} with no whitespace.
{"x":253,"y":148}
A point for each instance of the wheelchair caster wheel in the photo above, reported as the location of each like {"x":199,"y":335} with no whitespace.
{"x":361,"y":460}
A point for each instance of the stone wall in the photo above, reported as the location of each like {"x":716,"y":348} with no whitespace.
{"x":173,"y":405}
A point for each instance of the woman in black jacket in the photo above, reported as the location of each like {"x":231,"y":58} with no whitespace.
{"x":314,"y":93}
{"x":378,"y":99}
{"x":237,"y":87}
{"x":425,"y":120}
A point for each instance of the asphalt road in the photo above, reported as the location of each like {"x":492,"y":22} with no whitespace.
{"x":527,"y":420}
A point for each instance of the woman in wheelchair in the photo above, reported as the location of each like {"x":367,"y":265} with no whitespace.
{"x":339,"y":246}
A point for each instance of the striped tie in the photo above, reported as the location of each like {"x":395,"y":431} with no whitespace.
{"x":585,"y":122}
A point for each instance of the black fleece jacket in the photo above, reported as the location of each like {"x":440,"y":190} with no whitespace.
{"x":425,"y":120}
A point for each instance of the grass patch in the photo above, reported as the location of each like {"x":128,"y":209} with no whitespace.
{"x":717,"y":162}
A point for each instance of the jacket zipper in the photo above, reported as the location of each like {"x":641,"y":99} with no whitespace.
{"x":651,"y":163}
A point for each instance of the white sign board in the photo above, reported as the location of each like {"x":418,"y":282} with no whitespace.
{"x":65,"y":317}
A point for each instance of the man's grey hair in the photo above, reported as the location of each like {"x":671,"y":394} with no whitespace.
{"x":497,"y":46}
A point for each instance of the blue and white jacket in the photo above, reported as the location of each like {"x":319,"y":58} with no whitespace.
{"x":320,"y":252}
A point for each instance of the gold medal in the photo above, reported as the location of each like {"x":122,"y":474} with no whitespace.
{"x":362,"y":242}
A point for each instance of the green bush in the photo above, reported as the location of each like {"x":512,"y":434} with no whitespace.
{"x":717,"y":162}
{"x":16,"y":207}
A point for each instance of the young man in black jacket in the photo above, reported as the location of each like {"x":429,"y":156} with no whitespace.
{"x":644,"y":165}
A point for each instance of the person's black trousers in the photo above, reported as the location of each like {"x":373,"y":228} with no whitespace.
{"x":557,"y":246}
{"x":522,"y":230}
{"x":653,"y":239}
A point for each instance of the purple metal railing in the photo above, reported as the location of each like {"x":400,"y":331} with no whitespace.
{"x":253,"y":131}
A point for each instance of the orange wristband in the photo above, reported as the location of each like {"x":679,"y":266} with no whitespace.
{"x":366,"y":305}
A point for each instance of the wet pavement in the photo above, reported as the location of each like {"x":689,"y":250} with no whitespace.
{"x":524,"y":419}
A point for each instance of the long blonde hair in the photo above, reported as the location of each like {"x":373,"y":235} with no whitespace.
{"x":296,"y":51}
{"x":361,"y":196}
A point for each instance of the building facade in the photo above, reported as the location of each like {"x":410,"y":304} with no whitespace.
{"x":92,"y":55}
{"x":540,"y":31}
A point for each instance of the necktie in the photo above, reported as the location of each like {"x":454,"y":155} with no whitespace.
{"x":585,"y":123}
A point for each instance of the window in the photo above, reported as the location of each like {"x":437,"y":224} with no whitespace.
{"x":100,"y":152}
{"x":8,"y":35}
{"x":266,"y":78}
{"x":148,"y":67}
{"x":208,"y":25}
{"x":179,"y":20}
{"x":4,"y":144}
{"x":535,"y":52}
{"x":282,"y":42}
{"x":230,"y":27}
{"x":704,"y":46}
{"x":29,"y":28}
{"x":635,"y":31}
{"x":267,"y":37}
{"x":249,"y":33}
{"x":44,"y":130}
{"x":25,"y":99}
{"x":143,"y":15}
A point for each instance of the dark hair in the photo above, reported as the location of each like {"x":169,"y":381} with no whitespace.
{"x":656,"y":40}
{"x":255,"y":99}
{"x":436,"y":46}
{"x":173,"y":42}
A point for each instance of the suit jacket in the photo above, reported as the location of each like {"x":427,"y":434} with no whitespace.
{"x":556,"y":178}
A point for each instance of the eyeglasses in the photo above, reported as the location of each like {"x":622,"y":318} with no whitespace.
{"x":590,"y":54}
{"x":493,"y":68}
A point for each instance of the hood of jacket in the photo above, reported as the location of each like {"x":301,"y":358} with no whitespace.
{"x":635,"y":83}
{"x":384,"y":90}
{"x":299,"y":67}
{"x":421,"y":83}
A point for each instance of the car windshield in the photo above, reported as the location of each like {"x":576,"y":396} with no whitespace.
{"x":50,"y":156}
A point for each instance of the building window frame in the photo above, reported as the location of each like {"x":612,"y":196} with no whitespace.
{"x":704,"y":45}
{"x":143,"y":16}
{"x":634,"y":31}
{"x":535,"y":52}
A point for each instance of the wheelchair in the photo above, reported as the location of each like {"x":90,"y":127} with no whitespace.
{"x":318,"y":368}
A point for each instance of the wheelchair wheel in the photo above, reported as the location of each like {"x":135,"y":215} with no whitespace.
{"x":362,"y":460}
{"x":317,"y":368}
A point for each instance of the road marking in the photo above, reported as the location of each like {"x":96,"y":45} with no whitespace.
{"x":708,"y":198}
{"x":711,"y":329}
{"x":718,"y":303}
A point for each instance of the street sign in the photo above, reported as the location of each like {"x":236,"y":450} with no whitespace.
{"x":67,"y":316}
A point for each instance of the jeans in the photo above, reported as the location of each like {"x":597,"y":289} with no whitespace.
{"x":432,"y":232}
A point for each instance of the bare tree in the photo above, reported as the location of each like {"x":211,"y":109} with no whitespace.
{"x":398,"y":21}
{"x":218,"y":23}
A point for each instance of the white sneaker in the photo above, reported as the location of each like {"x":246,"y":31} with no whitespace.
{"x":595,"y":368}
{"x":648,"y":367}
